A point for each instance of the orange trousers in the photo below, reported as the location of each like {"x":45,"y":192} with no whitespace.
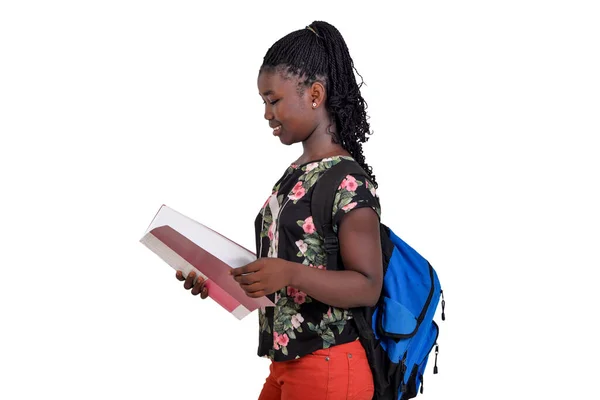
{"x":339,"y":373}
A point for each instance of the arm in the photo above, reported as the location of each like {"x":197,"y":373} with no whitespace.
{"x":361,"y":281}
{"x":358,"y":285}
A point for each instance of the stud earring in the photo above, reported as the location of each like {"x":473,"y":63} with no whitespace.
{"x":314,"y":105}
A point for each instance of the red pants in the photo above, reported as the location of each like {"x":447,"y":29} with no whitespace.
{"x":340,"y":372}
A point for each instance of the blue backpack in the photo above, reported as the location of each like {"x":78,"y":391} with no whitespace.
{"x":399,"y":333}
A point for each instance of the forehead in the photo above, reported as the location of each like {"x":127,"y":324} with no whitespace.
{"x":276,"y":82}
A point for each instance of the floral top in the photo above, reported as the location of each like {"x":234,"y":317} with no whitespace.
{"x":299,"y":325}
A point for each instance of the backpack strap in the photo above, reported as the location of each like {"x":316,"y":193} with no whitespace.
{"x":321,"y":205}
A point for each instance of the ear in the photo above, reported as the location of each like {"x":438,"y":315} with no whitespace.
{"x":316,"y":94}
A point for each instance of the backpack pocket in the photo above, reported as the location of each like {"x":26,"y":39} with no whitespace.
{"x":396,"y":321}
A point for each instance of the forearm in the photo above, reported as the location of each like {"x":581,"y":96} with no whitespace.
{"x":343,"y":289}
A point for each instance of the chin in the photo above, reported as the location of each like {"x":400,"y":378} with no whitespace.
{"x":287,"y":140}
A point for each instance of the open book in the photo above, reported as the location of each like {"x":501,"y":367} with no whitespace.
{"x":188,"y":245}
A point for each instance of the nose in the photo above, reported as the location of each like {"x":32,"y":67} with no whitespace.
{"x":268,"y":113}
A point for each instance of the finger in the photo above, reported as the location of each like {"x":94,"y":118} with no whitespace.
{"x":253,"y":287}
{"x":252,"y":267}
{"x":247,"y":279}
{"x":257,"y":294}
{"x":189,"y":280}
{"x":197,"y":289}
{"x":204,"y":293}
{"x":179,"y":275}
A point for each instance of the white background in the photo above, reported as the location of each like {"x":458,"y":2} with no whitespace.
{"x":484,"y":117}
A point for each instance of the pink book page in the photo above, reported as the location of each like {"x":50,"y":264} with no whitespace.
{"x":221,"y":286}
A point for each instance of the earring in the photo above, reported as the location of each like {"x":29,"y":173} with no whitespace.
{"x":314,"y":105}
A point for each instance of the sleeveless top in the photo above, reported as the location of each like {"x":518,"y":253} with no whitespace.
{"x":298,"y":324}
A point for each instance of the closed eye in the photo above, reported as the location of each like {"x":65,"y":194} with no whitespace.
{"x":272,"y":102}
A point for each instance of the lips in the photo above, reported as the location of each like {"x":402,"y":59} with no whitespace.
{"x":276,"y":130}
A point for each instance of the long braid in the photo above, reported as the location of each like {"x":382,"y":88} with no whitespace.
{"x":319,"y":53}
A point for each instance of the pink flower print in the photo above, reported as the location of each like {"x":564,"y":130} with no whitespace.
{"x":300,"y":298}
{"x":329,"y":312}
{"x":349,"y":206}
{"x":275,"y":340}
{"x":297,"y":192}
{"x":297,"y":320}
{"x":351,"y":184}
{"x":283,"y":340}
{"x":317,"y":266}
{"x":292,"y":291}
{"x":309,"y":226}
{"x":311,"y":166}
{"x":271,"y":232}
{"x":302,"y":246}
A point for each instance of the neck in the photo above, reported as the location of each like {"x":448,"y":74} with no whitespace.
{"x":320,"y":145}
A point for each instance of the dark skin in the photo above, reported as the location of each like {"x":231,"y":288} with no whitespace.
{"x":304,"y":119}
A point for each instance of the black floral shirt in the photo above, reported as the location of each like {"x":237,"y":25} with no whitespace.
{"x":299,"y":325}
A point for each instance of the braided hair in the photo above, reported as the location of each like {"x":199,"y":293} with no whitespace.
{"x":319,"y":53}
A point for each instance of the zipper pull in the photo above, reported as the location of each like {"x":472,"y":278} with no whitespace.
{"x":421,"y":390}
{"x":443,"y":307}
{"x":435,"y":368}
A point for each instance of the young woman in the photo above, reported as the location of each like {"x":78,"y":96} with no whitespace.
{"x":311,"y":97}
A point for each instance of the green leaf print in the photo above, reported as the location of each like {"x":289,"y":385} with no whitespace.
{"x":290,"y":311}
{"x":287,"y":325}
{"x":328,"y":338}
{"x":347,"y":195}
{"x":263,"y":323}
{"x":282,"y":301}
{"x":313,"y":241}
{"x":291,"y":334}
{"x":284,"y":350}
{"x":344,"y":203}
{"x":312,"y":181}
{"x":318,"y":259}
{"x":337,"y":313}
{"x":268,"y":219}
{"x":340,"y":325}
{"x":310,"y":254}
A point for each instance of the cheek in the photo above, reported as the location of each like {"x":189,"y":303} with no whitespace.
{"x":298,"y":118}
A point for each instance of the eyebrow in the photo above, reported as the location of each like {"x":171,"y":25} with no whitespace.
{"x":267,"y":93}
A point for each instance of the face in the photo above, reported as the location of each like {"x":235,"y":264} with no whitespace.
{"x":290,"y":114}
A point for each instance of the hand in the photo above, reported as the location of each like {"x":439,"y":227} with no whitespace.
{"x":197,"y":288}
{"x":263,"y":276}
